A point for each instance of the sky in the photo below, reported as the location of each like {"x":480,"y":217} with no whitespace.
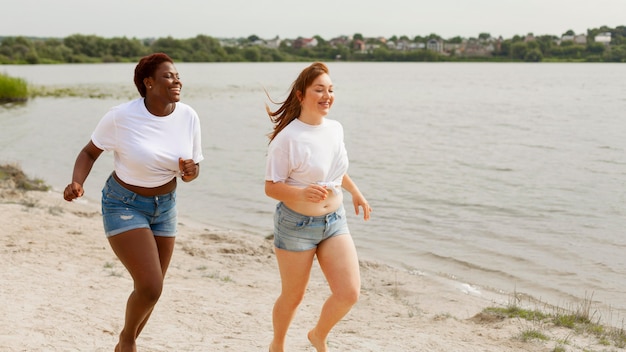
{"x":291,"y":19}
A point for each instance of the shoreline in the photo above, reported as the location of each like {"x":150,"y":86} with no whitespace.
{"x":67,"y":291}
{"x":545,"y":250}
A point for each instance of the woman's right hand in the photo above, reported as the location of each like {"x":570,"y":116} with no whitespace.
{"x":73,"y":191}
{"x":315,"y":193}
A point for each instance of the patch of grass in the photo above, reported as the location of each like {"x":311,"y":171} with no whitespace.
{"x":12,"y":89}
{"x":82,"y":91}
{"x":59,"y":92}
{"x":110,"y":267}
{"x":569,"y":320}
{"x":12,"y":173}
{"x":55,"y":210}
{"x":17,"y":90}
{"x":533,"y":334}
{"x":216,"y":275}
{"x":618,"y":337}
{"x":580,"y":320}
{"x":513,"y":311}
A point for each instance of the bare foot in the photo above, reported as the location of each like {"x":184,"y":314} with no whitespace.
{"x":273,"y":348}
{"x":130,"y":348}
{"x":276,"y":347}
{"x":319,"y":344}
{"x":125,"y":346}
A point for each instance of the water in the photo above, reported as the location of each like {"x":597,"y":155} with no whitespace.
{"x":510,"y":177}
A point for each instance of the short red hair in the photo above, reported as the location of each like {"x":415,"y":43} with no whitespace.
{"x":146,"y":68}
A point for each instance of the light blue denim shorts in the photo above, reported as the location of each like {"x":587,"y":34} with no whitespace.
{"x":124,"y":210}
{"x":296,"y":232}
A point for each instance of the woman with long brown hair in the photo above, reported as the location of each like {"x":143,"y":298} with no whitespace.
{"x":306,"y":170}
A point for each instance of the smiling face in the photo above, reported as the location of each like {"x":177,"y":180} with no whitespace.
{"x":317,"y":99}
{"x":165,"y":85}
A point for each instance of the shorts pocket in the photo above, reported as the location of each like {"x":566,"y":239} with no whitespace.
{"x":289,"y":222}
{"x":110,"y":196}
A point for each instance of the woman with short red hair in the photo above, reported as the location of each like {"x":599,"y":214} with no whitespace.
{"x":155,"y":139}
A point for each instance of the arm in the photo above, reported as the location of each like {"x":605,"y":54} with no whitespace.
{"x":285,"y":193}
{"x":190,"y":170}
{"x":84,"y":162}
{"x":357,"y":198}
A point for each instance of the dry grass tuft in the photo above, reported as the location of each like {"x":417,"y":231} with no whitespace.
{"x":12,"y":177}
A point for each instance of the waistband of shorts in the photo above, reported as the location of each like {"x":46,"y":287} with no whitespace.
{"x":111,"y":181}
{"x":325,"y":217}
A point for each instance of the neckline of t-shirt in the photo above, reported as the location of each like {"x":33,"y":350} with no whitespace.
{"x":312,"y":126}
{"x":145,"y":109}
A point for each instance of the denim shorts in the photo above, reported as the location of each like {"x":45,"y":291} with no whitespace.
{"x":296,"y":232}
{"x":124,"y":210}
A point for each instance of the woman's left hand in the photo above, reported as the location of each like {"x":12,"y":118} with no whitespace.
{"x":188,"y":169}
{"x":360,"y":201}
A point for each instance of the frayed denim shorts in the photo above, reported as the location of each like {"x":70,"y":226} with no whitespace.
{"x":124,"y":210}
{"x":296,"y":232}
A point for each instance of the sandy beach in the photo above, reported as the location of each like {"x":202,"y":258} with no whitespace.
{"x":63,"y":289}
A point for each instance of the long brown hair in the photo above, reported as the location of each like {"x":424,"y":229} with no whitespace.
{"x":290,"y":109}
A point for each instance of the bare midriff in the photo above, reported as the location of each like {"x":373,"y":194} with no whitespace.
{"x":332,"y":202}
{"x":148,"y":191}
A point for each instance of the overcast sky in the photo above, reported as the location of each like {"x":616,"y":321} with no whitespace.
{"x":290,"y":19}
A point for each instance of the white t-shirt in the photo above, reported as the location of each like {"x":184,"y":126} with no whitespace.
{"x":302,"y":154}
{"x":146,"y":147}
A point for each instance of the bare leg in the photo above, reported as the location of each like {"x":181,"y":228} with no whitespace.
{"x":145,"y":258}
{"x":295,"y":270}
{"x":165,"y":246}
{"x":339,"y":262}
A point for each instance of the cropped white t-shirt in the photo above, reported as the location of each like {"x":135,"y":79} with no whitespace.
{"x":302,"y":154}
{"x":146,"y":147}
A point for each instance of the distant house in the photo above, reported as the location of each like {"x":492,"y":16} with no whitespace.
{"x":403,"y":45}
{"x":451,"y":48}
{"x":475,"y":48}
{"x":371,"y":47}
{"x":358,"y":45}
{"x":304,"y":43}
{"x":604,"y":38}
{"x":580,"y":39}
{"x":435,"y":45}
{"x":273,"y":43}
{"x":229,"y":42}
{"x":576,"y":38}
{"x":381,"y":40}
{"x":417,"y":46}
{"x":342,"y":40}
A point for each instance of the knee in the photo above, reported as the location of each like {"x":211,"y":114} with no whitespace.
{"x":150,"y":291}
{"x":348,"y":297}
{"x":291,"y":300}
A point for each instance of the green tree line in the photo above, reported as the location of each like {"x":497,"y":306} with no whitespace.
{"x":79,"y":48}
